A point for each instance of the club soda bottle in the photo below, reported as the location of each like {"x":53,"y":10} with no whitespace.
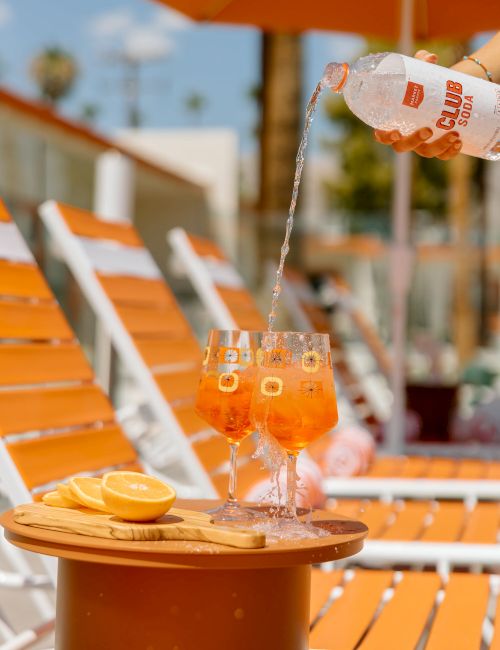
{"x":391,"y":91}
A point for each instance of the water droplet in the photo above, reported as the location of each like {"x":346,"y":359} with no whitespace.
{"x":239,"y":614}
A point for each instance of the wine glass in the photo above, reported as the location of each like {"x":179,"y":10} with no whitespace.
{"x":223,"y":401}
{"x":294,"y":396}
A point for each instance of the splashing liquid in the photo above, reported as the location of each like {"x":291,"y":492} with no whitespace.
{"x":311,"y":107}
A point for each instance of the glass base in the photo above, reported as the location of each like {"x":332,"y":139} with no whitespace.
{"x":233,"y":511}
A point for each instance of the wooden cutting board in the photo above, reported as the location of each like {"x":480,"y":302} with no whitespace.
{"x":177,"y":524}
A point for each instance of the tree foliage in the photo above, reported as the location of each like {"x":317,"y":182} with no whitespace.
{"x":54,"y":71}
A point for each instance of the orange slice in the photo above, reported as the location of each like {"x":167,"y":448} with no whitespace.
{"x":87,"y":492}
{"x":66,"y":494}
{"x":55,"y":499}
{"x":135,"y":496}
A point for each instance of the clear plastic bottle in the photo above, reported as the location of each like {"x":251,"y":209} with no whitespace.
{"x":392,"y":91}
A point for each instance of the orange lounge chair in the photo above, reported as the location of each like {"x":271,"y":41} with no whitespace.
{"x":55,"y":421}
{"x":126,"y":290}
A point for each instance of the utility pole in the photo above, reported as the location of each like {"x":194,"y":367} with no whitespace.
{"x":132,"y":64}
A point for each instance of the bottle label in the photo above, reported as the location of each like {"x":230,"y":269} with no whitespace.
{"x":414,"y":95}
{"x":449,"y":101}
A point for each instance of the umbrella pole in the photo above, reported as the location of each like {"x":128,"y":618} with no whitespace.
{"x":400,"y":264}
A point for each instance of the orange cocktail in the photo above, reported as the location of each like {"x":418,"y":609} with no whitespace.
{"x":294,"y":395}
{"x":224,"y":397}
{"x":296,"y":410}
{"x":225,"y":410}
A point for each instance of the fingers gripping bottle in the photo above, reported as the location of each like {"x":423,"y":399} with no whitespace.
{"x":392,"y":91}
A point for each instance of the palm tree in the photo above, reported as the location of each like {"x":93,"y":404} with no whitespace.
{"x":54,"y":71}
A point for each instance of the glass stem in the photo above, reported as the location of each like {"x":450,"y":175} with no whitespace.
{"x":291,"y":486}
{"x":231,"y":493}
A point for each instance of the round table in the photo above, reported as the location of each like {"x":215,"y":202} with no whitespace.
{"x":170,"y":595}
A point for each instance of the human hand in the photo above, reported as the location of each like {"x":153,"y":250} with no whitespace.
{"x":446,"y":147}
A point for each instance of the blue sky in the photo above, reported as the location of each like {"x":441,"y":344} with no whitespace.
{"x":221,"y":63}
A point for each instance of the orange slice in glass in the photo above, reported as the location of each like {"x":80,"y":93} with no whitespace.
{"x":136,"y":497}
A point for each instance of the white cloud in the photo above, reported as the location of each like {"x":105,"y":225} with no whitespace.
{"x":147,"y":44}
{"x":145,"y":40}
{"x":111,"y":23}
{"x":171,"y":20}
{"x":5,"y":13}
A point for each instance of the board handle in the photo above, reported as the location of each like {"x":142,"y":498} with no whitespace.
{"x":240,"y":538}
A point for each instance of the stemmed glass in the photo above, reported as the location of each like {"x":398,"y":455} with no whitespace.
{"x":223,"y":401}
{"x":294,"y":397}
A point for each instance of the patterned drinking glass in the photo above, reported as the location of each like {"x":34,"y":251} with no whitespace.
{"x":294,"y":395}
{"x":223,"y":400}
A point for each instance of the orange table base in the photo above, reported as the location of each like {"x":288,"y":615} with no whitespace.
{"x":175,"y":609}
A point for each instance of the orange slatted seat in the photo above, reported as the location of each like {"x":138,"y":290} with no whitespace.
{"x":482,"y":524}
{"x":442,"y":468}
{"x":385,"y":467}
{"x":34,"y":363}
{"x":459,"y":622}
{"x":409,"y":522}
{"x":381,"y":610}
{"x":410,"y":607}
{"x":32,"y":321}
{"x":414,"y":467}
{"x":471,"y":469}
{"x":52,"y":408}
{"x":85,"y":224}
{"x":378,"y":516}
{"x":22,"y":281}
{"x":322,"y":585}
{"x":348,"y":617}
{"x":493,"y":471}
{"x":54,"y":420}
{"x":447,"y":523}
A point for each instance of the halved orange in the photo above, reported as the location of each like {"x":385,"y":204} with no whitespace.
{"x":55,"y":499}
{"x":135,"y":496}
{"x":86,"y":491}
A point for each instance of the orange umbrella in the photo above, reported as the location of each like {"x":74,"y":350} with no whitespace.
{"x":404,"y":20}
{"x":432,"y":18}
